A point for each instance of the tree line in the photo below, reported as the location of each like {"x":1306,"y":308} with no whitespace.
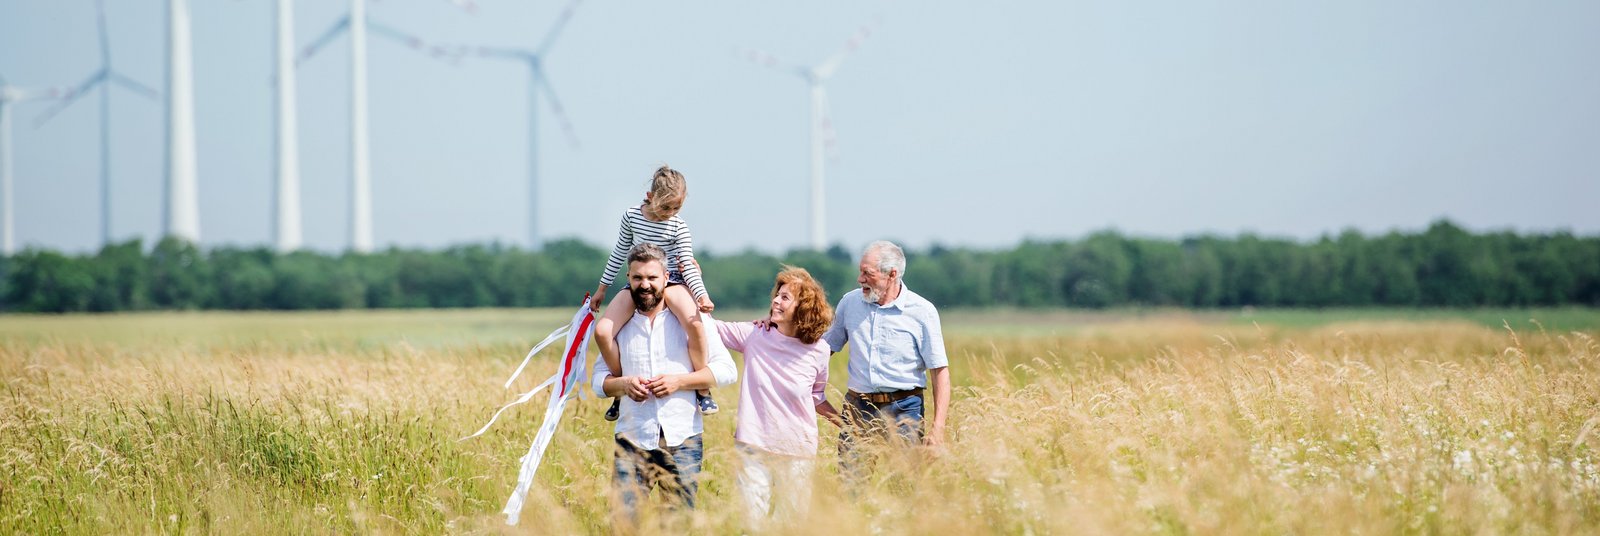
{"x":1443,"y":266}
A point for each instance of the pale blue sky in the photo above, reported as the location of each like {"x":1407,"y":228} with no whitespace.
{"x":957,"y":122}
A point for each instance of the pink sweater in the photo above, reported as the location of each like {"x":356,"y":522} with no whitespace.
{"x":783,"y":383}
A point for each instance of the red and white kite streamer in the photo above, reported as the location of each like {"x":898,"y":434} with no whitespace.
{"x":567,"y":380}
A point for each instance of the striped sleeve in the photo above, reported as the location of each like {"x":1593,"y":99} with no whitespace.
{"x":682,"y":248}
{"x":619,"y":253}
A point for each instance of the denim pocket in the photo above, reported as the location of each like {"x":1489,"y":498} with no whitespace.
{"x":908,"y":408}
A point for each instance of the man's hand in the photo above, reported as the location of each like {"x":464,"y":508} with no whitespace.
{"x":635,"y":388}
{"x":663,"y":386}
{"x":705,"y":304}
{"x":598,"y":298}
{"x":764,"y":324}
{"x":934,"y":436}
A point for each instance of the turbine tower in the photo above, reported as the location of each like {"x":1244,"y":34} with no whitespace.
{"x":9,"y":95}
{"x":356,"y":23}
{"x":286,"y":225}
{"x":106,"y":74}
{"x":182,"y":208}
{"x":533,"y":59}
{"x":821,"y":124}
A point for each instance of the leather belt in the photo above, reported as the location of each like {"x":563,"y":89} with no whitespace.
{"x":885,"y":398}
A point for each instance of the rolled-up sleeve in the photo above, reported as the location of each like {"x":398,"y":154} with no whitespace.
{"x":837,"y":333}
{"x":598,"y":382}
{"x":717,"y":357}
{"x":819,"y":388}
{"x":933,"y":355}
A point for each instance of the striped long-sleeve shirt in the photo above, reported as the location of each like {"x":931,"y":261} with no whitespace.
{"x":671,"y":235}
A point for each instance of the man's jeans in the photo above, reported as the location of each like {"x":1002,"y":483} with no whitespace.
{"x":675,"y":470}
{"x":865,"y":421}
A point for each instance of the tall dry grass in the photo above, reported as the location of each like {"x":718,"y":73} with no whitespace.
{"x":347,"y":422}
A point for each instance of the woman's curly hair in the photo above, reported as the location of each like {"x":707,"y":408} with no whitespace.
{"x":811,"y":315}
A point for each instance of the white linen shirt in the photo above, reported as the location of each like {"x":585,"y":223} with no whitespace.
{"x":651,"y":348}
{"x":891,"y":346}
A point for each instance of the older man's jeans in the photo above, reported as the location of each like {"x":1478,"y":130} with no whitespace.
{"x":676,"y":470}
{"x":866,"y":421}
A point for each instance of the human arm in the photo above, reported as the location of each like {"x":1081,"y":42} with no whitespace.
{"x":704,"y":302}
{"x":733,"y":334}
{"x":827,"y":411}
{"x":598,"y":297}
{"x":629,"y":386}
{"x":837,"y":335}
{"x":819,"y":388}
{"x":940,"y":380}
{"x":614,"y":263}
{"x":682,"y":248}
{"x":719,"y":370}
{"x":938,"y":366}
{"x":606,"y":385}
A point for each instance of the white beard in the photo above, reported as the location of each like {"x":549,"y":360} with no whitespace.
{"x":871,"y":295}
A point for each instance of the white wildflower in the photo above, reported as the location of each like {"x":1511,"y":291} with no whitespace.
{"x":1462,"y":460}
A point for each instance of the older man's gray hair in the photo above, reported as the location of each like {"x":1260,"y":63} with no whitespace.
{"x":890,"y":257}
{"x":646,"y":252}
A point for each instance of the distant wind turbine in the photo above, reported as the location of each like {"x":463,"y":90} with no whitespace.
{"x":181,"y":211}
{"x":286,"y":234}
{"x":9,"y":95}
{"x":101,"y":77}
{"x":533,"y":59}
{"x":356,"y":23}
{"x":821,"y":124}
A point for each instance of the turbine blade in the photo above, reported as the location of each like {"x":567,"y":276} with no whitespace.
{"x":505,"y":53}
{"x":322,"y":41}
{"x":105,"y":39}
{"x":449,"y":53}
{"x":71,"y":96}
{"x":827,"y":67}
{"x":555,"y":29}
{"x":555,"y":105}
{"x":26,"y":94}
{"x":134,"y":86}
{"x":762,"y":58}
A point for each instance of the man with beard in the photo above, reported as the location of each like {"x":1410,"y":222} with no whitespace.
{"x":658,"y":432}
{"x":895,"y":344}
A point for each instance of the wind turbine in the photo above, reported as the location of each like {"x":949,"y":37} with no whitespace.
{"x":9,"y":95}
{"x":821,"y":124}
{"x":286,"y":215}
{"x":181,"y":211}
{"x":105,"y":75}
{"x":356,"y":23}
{"x":533,"y":59}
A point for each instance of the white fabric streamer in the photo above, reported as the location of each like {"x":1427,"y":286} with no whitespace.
{"x":521,"y":399}
{"x":568,"y":380}
{"x":546,"y":342}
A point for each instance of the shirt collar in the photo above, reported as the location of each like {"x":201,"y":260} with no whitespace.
{"x":899,"y":300}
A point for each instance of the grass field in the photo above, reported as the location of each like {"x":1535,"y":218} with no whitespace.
{"x":1064,"y":422}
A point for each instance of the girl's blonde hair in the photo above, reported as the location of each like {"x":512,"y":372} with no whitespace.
{"x":811,"y":315}
{"x":667,"y":183}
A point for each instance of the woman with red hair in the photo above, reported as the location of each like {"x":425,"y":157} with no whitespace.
{"x":781,"y":395}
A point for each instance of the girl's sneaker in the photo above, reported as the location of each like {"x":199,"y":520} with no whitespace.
{"x":707,"y":405}
{"x":615,"y":411}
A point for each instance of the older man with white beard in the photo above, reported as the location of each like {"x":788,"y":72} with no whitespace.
{"x":896,"y":344}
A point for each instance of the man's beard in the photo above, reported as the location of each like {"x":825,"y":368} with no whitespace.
{"x":644,"y":300}
{"x":871,"y":295}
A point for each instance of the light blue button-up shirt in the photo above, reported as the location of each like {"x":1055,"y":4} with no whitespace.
{"x":891,"y":346}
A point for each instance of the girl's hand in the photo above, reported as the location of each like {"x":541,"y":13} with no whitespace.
{"x":598,"y":298}
{"x":705,"y":304}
